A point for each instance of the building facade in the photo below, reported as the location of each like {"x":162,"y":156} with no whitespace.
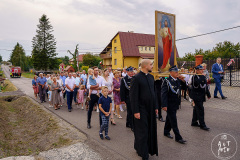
{"x":128,"y":49}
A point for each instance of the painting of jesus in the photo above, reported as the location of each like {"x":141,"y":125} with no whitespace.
{"x":165,"y":32}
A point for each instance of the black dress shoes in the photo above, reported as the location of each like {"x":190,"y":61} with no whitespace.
{"x":224,"y":97}
{"x":205,"y":128}
{"x":161,"y":119}
{"x":128,"y":126}
{"x":169,"y":136}
{"x":88,"y":126}
{"x":216,"y":97}
{"x":195,"y":125}
{"x":182,"y":141}
{"x":145,"y":158}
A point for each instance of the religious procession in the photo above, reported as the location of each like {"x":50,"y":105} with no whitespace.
{"x":110,"y":92}
{"x":136,"y":97}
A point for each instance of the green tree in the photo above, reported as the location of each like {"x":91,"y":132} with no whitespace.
{"x":18,"y":56}
{"x":54,"y":63}
{"x":29,"y":63}
{"x":37,"y":59}
{"x":91,"y":60}
{"x":43,"y":44}
{"x":1,"y":59}
{"x":224,"y":49}
{"x":65,"y":60}
{"x":75,"y":56}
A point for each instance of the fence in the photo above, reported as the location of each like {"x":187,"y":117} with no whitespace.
{"x":232,"y":72}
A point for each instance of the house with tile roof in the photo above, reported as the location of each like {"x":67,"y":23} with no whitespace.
{"x":128,"y":49}
{"x":79,"y":59}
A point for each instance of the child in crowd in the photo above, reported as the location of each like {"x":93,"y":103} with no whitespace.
{"x":49,"y":96}
{"x":80,"y":96}
{"x":61,"y":97}
{"x":105,"y":106}
{"x":92,"y":82}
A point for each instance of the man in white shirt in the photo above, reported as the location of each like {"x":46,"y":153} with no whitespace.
{"x":110,"y":72}
{"x":94,"y":98}
{"x":77,"y":82}
{"x":83,"y":78}
{"x":70,"y":85}
{"x":124,"y":72}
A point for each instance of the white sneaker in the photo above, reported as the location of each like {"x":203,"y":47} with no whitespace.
{"x":50,"y":106}
{"x":82,"y":108}
{"x":190,"y":100}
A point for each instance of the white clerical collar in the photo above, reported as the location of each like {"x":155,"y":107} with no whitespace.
{"x":173,"y":78}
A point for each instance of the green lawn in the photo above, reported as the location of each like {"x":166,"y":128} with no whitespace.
{"x":28,"y":75}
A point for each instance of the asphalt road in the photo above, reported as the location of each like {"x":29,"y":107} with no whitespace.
{"x":221,"y":116}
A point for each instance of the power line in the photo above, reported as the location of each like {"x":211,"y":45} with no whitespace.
{"x":134,"y":47}
{"x":207,"y":33}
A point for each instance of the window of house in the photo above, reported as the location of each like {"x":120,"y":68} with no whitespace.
{"x":141,"y":48}
{"x":115,"y":61}
{"x":115,"y":40}
{"x":115,"y":49}
{"x":145,"y":48}
{"x":149,"y":48}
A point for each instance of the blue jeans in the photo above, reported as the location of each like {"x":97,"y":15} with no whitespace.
{"x":218,"y":87}
{"x":69,"y":99}
{"x":75,"y":94}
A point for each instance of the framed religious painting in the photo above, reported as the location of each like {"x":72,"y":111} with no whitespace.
{"x":165,"y":36}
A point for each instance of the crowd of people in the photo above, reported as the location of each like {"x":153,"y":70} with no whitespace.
{"x":107,"y":91}
{"x":84,"y":89}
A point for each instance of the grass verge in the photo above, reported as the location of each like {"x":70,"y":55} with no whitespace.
{"x":26,"y":129}
{"x":28,"y":75}
{"x":7,"y":86}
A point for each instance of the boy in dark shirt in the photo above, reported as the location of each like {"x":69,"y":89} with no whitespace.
{"x":105,"y":107}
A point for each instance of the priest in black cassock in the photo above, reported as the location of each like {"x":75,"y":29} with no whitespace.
{"x":144,"y":107}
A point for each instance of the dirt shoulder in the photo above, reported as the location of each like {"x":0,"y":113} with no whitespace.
{"x":28,"y":129}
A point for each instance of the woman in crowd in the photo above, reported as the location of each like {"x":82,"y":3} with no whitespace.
{"x":55,"y":88}
{"x":206,"y":74}
{"x":60,"y":82}
{"x":35,"y":87}
{"x":121,"y":103}
{"x":107,"y":81}
{"x":116,"y":92}
{"x":50,"y":81}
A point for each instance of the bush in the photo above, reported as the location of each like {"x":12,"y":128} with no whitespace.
{"x":85,"y":68}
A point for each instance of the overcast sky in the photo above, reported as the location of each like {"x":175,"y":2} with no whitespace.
{"x":92,"y":23}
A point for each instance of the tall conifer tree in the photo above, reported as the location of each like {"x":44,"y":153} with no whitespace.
{"x":43,"y":44}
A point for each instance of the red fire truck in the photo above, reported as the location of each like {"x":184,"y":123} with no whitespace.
{"x":15,"y":72}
